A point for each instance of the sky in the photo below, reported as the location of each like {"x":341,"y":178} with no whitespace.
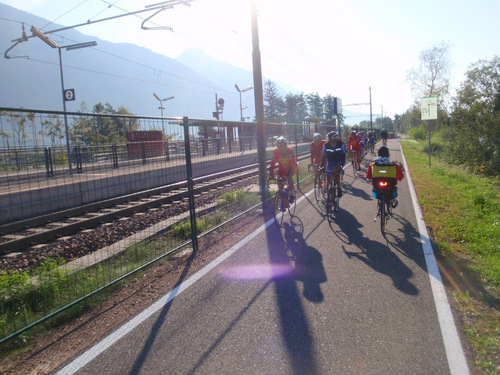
{"x":345,"y":48}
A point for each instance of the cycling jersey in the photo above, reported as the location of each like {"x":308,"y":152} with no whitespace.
{"x":316,"y":149}
{"x":354,"y":142}
{"x":334,"y":153}
{"x":286,"y":160}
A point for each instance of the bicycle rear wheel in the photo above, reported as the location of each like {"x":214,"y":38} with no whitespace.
{"x":279,"y":208}
{"x":383,"y":213}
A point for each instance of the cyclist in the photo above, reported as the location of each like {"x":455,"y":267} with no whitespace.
{"x":354,"y":143}
{"x":384,"y":136}
{"x":334,"y":152}
{"x":364,"y":142}
{"x":315,"y":149}
{"x":371,"y":141}
{"x":285,"y":157}
{"x":383,"y":159}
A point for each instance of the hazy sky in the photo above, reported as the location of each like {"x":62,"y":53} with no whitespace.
{"x":325,"y":46}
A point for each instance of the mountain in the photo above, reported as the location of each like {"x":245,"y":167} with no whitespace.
{"x":116,"y":73}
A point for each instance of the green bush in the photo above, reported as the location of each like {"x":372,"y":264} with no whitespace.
{"x":418,"y":134}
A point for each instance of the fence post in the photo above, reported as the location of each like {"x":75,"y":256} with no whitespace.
{"x":167,"y":151}
{"x":143,"y":151}
{"x":78,"y":159}
{"x":114,"y":151}
{"x":190,"y":183}
{"x":48,"y":162}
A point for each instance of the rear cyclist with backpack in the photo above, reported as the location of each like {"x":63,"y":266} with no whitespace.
{"x":378,"y":169}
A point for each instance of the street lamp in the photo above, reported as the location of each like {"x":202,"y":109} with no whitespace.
{"x":70,"y":47}
{"x":161,"y":108}
{"x":241,"y":107}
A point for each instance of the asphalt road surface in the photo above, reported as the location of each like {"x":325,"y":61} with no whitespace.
{"x":309,"y":299}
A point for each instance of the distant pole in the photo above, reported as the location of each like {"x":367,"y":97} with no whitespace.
{"x":68,"y":149}
{"x":371,"y":122}
{"x":259,"y":103}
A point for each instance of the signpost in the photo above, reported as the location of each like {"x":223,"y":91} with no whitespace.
{"x":69,"y":95}
{"x":428,"y":108}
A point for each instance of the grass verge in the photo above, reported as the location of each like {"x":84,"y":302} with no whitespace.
{"x":462,"y":212}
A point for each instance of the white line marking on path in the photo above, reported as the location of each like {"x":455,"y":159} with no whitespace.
{"x":453,"y":347}
{"x":110,"y":340}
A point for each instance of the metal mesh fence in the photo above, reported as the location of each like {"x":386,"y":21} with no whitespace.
{"x":105,"y":157}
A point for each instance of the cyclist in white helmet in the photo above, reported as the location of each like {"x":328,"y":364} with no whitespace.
{"x":285,"y":157}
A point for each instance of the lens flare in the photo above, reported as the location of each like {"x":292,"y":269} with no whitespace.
{"x":257,"y":272}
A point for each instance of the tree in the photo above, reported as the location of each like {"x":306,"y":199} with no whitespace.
{"x":97,"y":130}
{"x":432,"y":77}
{"x":274,"y":106}
{"x":53,"y":128}
{"x":474,"y":132}
{"x":315,"y":103}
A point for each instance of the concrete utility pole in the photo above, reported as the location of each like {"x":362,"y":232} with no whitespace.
{"x":259,"y":103}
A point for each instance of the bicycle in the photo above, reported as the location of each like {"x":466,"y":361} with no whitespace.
{"x":384,"y":141}
{"x":355,"y":161}
{"x":384,"y":208}
{"x":332,"y":199}
{"x":383,"y":188}
{"x":371,"y":147}
{"x":282,"y":203}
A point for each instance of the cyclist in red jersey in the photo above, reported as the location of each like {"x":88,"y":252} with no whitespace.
{"x":285,"y":157}
{"x":316,"y":148}
{"x":354,"y":143}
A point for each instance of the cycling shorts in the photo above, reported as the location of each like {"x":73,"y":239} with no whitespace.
{"x":333,"y":166}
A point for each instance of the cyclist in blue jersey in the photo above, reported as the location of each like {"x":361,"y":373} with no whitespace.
{"x":334,"y":152}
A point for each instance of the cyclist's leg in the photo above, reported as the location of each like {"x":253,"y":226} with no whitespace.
{"x":337,"y":171}
{"x":329,"y":171}
{"x":291,"y":188}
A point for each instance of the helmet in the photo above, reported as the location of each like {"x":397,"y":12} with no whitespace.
{"x":281,"y":141}
{"x":353,"y":132}
{"x":317,"y":137}
{"x":332,"y":135}
{"x":383,"y":151}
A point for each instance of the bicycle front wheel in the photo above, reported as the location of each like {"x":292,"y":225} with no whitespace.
{"x":330,"y":203}
{"x":279,"y":208}
{"x":319,"y":188}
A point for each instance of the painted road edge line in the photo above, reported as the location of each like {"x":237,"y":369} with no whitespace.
{"x":453,"y":347}
{"x":89,"y":355}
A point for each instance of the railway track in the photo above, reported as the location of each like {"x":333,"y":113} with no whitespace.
{"x":23,"y":244}
{"x":20,"y":235}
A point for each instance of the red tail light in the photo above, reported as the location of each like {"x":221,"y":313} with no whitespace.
{"x":383,"y":184}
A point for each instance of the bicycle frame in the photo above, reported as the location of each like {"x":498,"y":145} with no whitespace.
{"x":332,"y":200}
{"x":281,"y":203}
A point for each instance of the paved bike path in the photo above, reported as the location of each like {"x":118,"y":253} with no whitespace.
{"x":324,"y":299}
